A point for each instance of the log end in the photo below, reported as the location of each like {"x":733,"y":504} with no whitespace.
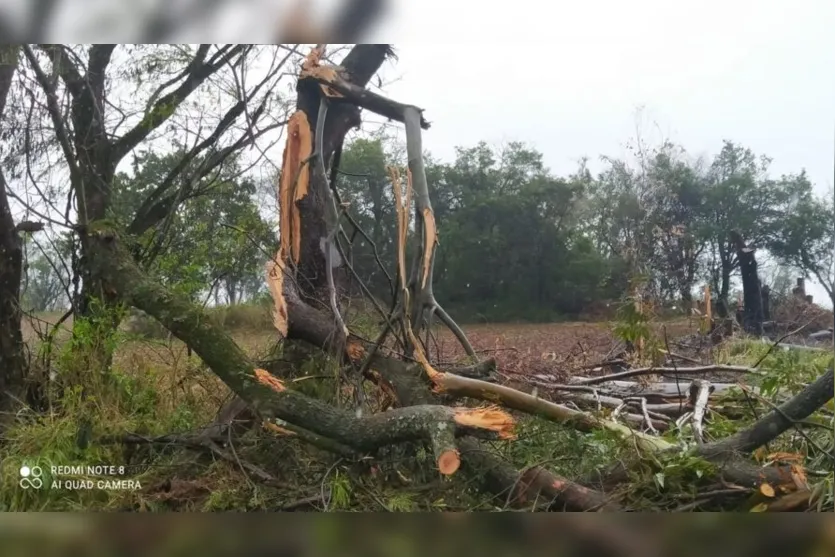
{"x":448,"y":462}
{"x":267,"y":379}
{"x":491,"y":418}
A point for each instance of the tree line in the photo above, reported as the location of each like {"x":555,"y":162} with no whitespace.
{"x":518,"y":242}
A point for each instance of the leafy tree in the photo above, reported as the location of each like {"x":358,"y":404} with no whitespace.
{"x":806,"y":237}
{"x":214,"y":241}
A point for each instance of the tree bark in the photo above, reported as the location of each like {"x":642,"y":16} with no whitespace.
{"x":776,"y":422}
{"x":12,"y":358}
{"x":766,"y":298}
{"x":752,"y":320}
{"x":359,"y":66}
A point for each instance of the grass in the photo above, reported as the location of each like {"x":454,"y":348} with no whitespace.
{"x":154,"y":388}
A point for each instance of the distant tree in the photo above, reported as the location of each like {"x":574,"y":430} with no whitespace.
{"x":47,"y":277}
{"x":215,"y":239}
{"x":806,"y":238}
{"x":365,"y":185}
{"x":738,"y":197}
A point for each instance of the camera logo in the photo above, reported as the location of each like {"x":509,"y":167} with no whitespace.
{"x":31,"y":477}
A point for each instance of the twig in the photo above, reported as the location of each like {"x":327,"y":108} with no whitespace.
{"x":647,"y":419}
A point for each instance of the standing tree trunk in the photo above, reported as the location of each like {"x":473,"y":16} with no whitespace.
{"x":752,"y":320}
{"x":12,"y":359}
{"x":766,"y":297}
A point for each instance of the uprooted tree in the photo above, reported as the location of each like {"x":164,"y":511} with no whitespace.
{"x":308,"y":276}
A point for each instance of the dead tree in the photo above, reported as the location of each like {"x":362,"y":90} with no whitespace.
{"x":752,"y":320}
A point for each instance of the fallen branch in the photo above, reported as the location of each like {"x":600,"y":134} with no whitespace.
{"x":726,"y":453}
{"x":699,"y":394}
{"x":512,"y":398}
{"x":776,"y":422}
{"x":663,"y":370}
{"x":265,"y":393}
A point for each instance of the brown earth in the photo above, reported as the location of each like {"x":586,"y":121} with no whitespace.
{"x":553,"y":348}
{"x":528,"y":348}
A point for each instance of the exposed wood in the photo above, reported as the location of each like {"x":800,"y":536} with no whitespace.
{"x":266,"y":394}
{"x":294,"y":183}
{"x":335,"y":85}
{"x":363,"y":61}
{"x":411,"y":388}
{"x":275,"y":282}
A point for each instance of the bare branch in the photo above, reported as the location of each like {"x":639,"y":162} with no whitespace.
{"x":165,"y":107}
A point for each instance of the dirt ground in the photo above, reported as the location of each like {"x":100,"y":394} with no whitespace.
{"x":529,"y":348}
{"x":553,"y":348}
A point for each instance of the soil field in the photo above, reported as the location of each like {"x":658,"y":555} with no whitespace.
{"x":529,"y":348}
{"x":553,"y":348}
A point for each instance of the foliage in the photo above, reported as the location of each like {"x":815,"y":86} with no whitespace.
{"x":216,"y":241}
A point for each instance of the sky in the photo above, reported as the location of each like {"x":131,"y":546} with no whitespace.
{"x":571,"y":80}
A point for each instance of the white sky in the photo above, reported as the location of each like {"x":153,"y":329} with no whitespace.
{"x":568,"y":78}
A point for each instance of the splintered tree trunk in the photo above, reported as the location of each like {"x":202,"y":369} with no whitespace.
{"x":752,"y":320}
{"x":312,"y":258}
{"x":12,"y":359}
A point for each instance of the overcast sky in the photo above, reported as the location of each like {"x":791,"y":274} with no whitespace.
{"x":570,"y":79}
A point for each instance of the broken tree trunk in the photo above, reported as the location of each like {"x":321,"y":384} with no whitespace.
{"x":752,"y":320}
{"x":306,"y":192}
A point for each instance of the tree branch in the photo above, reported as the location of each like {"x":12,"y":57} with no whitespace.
{"x":776,"y":422}
{"x":54,"y":113}
{"x":165,"y":107}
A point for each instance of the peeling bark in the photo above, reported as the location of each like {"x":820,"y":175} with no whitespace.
{"x":357,"y":68}
{"x":294,"y":184}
